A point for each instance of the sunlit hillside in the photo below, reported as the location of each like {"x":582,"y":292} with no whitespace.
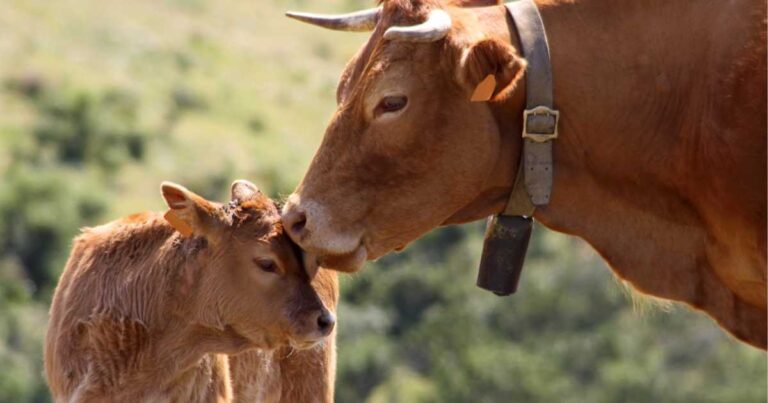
{"x":102,"y":100}
{"x":234,"y":87}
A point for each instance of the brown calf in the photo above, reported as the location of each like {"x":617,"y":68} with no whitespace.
{"x":147,"y":311}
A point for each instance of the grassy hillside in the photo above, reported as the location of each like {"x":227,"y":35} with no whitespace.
{"x":102,"y":100}
{"x":255,"y":89}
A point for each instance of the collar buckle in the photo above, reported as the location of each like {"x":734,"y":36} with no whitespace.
{"x":540,"y":124}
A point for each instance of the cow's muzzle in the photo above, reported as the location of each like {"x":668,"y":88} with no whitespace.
{"x":308,"y":224}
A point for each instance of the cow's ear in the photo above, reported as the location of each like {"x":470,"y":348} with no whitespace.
{"x":491,"y":70}
{"x":187,"y":212}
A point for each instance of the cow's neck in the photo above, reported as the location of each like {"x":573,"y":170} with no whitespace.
{"x":624,"y":89}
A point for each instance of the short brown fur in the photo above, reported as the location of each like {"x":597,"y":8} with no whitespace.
{"x":144,"y":314}
{"x":660,"y":164}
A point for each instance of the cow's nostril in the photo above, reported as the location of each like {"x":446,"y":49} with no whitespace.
{"x":298,"y":226}
{"x":325,"y":322}
{"x":295,"y":222}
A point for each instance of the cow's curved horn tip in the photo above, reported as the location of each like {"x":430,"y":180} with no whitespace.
{"x":295,"y":14}
{"x":300,"y":16}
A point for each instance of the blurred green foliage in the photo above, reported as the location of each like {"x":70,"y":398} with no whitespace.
{"x":570,"y":334}
{"x":103,"y":100}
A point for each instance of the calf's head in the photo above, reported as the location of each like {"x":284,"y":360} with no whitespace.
{"x":248,"y":278}
{"x":409,"y":146}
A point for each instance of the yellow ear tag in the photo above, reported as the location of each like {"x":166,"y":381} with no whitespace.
{"x":484,"y":90}
{"x":177,"y":223}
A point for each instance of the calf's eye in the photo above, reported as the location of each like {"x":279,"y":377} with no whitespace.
{"x":266,"y":265}
{"x":392,"y":103}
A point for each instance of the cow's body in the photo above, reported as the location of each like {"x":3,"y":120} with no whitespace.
{"x":660,"y":164}
{"x":126,"y":326}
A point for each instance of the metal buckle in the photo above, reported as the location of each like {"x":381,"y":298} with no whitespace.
{"x":549,"y":132}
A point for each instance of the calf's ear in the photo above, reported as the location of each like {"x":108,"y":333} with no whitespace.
{"x":242,"y":190}
{"x":491,"y":70}
{"x":188,"y":213}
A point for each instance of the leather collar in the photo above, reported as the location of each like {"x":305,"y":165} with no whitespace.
{"x":540,"y":119}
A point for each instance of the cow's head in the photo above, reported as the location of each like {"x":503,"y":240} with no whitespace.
{"x":408,"y":148}
{"x":247,"y":277}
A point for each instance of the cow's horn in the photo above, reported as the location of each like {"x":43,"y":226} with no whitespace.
{"x":364,"y":20}
{"x":434,"y":28}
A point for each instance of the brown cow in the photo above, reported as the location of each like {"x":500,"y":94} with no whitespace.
{"x":660,"y":164}
{"x":148,"y":308}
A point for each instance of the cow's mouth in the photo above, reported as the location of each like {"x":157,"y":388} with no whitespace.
{"x":347,"y":262}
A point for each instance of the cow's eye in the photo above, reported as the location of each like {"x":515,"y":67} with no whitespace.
{"x":267,"y":265}
{"x":392,"y":103}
